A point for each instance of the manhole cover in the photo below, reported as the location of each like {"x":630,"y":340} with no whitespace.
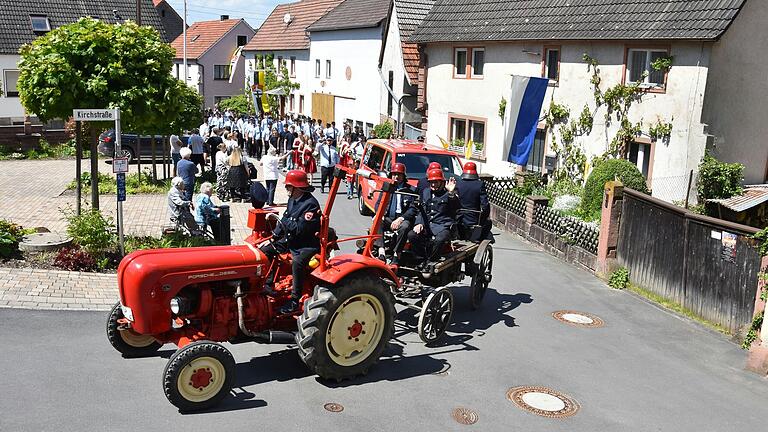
{"x":333,"y":407}
{"x":43,"y":242}
{"x":578,"y":319}
{"x":464,"y":416}
{"x":543,"y":401}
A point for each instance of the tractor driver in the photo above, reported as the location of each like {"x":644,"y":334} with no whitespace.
{"x":297,"y":233}
{"x":441,"y":203}
{"x":400,"y":214}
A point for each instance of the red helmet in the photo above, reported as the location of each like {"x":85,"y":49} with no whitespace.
{"x":398,"y":168}
{"x":434,"y":165}
{"x":435,"y":175}
{"x":297,"y":179}
{"x":470,"y":171}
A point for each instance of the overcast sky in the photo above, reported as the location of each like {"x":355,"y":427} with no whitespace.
{"x":254,"y":11}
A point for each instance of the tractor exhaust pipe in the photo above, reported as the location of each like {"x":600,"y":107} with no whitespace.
{"x":268,"y":337}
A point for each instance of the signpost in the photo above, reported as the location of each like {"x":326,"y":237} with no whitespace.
{"x":119,"y":163}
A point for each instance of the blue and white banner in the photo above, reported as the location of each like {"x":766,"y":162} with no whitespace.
{"x":524,"y":101}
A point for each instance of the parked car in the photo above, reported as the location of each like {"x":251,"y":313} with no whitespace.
{"x":379,"y":155}
{"x":129,"y":143}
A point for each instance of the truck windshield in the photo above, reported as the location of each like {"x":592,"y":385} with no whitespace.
{"x":416,"y":164}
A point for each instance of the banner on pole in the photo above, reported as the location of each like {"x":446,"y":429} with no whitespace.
{"x":233,"y":63}
{"x":524,"y":101}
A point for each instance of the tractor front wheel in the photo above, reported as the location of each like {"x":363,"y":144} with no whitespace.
{"x":343,"y":331}
{"x":198,"y":376}
{"x":128,"y":342}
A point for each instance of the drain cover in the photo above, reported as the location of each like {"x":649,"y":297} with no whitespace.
{"x":578,"y":319}
{"x":333,"y":407}
{"x":543,"y":401}
{"x":464,"y":416}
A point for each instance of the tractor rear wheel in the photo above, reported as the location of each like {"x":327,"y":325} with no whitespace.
{"x":343,"y":331}
{"x":128,"y":342}
{"x":198,"y":376}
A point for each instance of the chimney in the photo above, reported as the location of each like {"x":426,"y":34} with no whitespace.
{"x":224,"y":17}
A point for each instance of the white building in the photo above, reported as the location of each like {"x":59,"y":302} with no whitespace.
{"x":466,"y":72}
{"x":283,"y":38}
{"x":344,"y":53}
{"x":210,"y":46}
{"x":399,"y":65}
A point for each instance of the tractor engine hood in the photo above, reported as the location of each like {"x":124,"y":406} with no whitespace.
{"x":149,"y":279}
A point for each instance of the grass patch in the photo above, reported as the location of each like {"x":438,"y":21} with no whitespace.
{"x":677,"y":308}
{"x":135,"y":185}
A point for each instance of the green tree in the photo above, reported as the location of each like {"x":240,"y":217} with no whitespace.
{"x":278,"y":81}
{"x":242,"y":103}
{"x":92,"y":64}
{"x":605,"y":171}
{"x":719,"y":180}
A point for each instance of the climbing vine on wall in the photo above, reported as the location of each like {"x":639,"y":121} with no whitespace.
{"x":617,"y":100}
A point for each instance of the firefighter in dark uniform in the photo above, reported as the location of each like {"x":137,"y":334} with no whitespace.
{"x":474,"y":202}
{"x":400,"y":214}
{"x":297,"y":233}
{"x":423,"y":182}
{"x":441,"y":204}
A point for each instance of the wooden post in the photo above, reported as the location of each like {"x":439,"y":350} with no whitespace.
{"x":78,"y":166}
{"x":154,"y":160}
{"x":94,"y":168}
{"x":688,"y":189}
{"x":610,"y":221}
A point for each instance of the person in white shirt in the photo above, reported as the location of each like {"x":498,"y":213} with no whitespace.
{"x":269,"y":164}
{"x":176,"y":146}
{"x":204,"y":130}
{"x":222,"y":172}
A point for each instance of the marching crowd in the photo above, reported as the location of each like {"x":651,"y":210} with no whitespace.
{"x":232,"y":144}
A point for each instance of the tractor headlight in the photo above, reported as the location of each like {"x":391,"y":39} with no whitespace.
{"x":180,"y":305}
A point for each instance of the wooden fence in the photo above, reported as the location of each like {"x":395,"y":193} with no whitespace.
{"x":707,"y":265}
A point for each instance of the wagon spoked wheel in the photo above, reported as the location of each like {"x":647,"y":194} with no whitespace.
{"x":435,"y":315}
{"x":198,"y":376}
{"x":483,"y":264}
{"x":127,"y":342}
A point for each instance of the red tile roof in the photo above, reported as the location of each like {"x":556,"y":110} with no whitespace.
{"x":274,"y":34}
{"x":411,"y":61}
{"x":201,"y":36}
{"x":157,"y":2}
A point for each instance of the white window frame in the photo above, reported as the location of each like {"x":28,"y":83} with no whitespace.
{"x":456,"y":51}
{"x":472,"y":65}
{"x":648,"y":68}
{"x":547,"y":64}
{"x":317,"y":68}
{"x":292,"y":70}
{"x":6,"y":92}
{"x":328,"y":69}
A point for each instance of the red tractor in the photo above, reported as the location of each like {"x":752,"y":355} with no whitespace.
{"x":199,"y":297}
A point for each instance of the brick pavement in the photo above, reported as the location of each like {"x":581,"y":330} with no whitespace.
{"x":33,"y":194}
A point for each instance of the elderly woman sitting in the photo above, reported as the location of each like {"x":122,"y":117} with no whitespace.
{"x":207,"y":214}
{"x":179,"y":209}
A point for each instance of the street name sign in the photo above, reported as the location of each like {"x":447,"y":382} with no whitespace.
{"x":121,"y":187}
{"x":94,"y":115}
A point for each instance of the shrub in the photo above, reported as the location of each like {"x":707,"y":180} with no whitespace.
{"x":619,"y":279}
{"x":384,"y":130}
{"x":74,"y":258}
{"x":611,"y":169}
{"x":718,"y":180}
{"x":91,"y":230}
{"x":10,"y":237}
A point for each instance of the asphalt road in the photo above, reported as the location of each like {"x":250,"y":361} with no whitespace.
{"x":646,"y":370}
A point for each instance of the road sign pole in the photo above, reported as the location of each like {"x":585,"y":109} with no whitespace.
{"x":119,"y":153}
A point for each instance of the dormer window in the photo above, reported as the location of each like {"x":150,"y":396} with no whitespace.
{"x":40,"y":23}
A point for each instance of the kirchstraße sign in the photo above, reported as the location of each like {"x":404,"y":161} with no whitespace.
{"x":94,"y":115}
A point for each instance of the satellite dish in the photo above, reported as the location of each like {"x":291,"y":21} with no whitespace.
{"x":287,"y":18}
